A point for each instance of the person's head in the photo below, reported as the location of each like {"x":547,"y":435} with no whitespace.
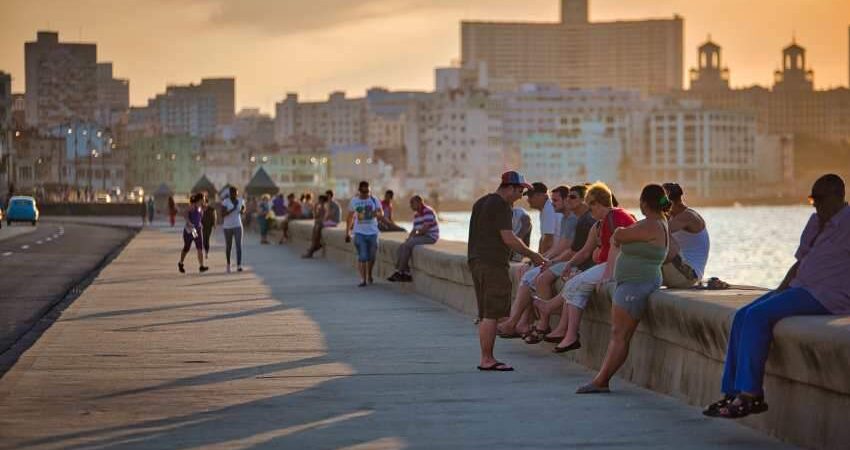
{"x":206,"y":199}
{"x":323,"y":199}
{"x":234,"y":193}
{"x":559,"y":198}
{"x":196,"y":198}
{"x":828,"y":196}
{"x":329,"y":194}
{"x":389,"y":195}
{"x":416,"y":202}
{"x":363,"y":189}
{"x":674,"y":192}
{"x":537,"y":195}
{"x":653,"y":199}
{"x":291,"y":197}
{"x":265,"y":197}
{"x":308,"y":197}
{"x":512,"y":186}
{"x":575,"y":199}
{"x":599,"y":198}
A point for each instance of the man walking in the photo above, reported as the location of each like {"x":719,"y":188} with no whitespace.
{"x":491,"y":240}
{"x":364,"y":212}
{"x":425,"y":231}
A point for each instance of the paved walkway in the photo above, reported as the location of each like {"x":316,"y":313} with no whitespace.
{"x":290,"y":355}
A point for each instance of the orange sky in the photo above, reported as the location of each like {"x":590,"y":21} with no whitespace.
{"x":315,"y":46}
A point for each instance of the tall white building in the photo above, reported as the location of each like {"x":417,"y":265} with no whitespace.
{"x":710,"y":152}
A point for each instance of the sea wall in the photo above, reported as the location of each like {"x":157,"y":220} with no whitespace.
{"x":678,"y":349}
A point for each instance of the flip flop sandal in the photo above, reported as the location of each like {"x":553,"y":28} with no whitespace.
{"x":497,"y":367}
{"x":513,"y":335}
{"x":591,"y":388}
{"x":747,"y":406}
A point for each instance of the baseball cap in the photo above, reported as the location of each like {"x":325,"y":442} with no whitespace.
{"x":537,"y":188}
{"x":515,"y":178}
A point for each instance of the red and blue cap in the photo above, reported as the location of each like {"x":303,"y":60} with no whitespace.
{"x":515,"y":178}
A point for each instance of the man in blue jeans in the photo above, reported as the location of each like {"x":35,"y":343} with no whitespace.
{"x":364,"y":211}
{"x":817,"y":284}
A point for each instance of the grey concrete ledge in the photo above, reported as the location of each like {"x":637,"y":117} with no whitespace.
{"x":679,"y":348}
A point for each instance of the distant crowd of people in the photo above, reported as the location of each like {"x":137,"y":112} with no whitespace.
{"x":593,"y":246}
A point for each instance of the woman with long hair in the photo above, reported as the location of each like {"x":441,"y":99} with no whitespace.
{"x":643,"y":248}
{"x":192,"y":232}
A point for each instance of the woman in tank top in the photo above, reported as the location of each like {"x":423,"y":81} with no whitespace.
{"x":637,"y":272}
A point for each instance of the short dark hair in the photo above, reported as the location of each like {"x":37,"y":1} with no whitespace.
{"x":563,"y":191}
{"x":417,"y":198}
{"x":363,"y":184}
{"x":323,"y":198}
{"x":674,"y":191}
{"x":832,"y":184}
{"x":580,"y":190}
{"x":389,"y":193}
{"x":329,"y":193}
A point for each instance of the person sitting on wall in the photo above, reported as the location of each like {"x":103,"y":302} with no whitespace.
{"x":518,"y":324}
{"x":521,"y":226}
{"x":688,"y":256}
{"x":426,"y":231}
{"x":293,"y":213}
{"x":817,"y":284}
{"x":387,"y":224}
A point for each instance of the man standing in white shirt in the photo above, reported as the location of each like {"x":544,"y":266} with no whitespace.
{"x":538,"y":198}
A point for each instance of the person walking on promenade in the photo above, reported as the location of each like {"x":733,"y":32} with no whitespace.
{"x":538,"y":198}
{"x":491,"y":239}
{"x":426,"y":231}
{"x":817,"y":284}
{"x":208,"y":221}
{"x":387,"y":223}
{"x":688,"y":256}
{"x":172,"y":210}
{"x":144,"y":211}
{"x":643,"y":248}
{"x":279,"y":205}
{"x":577,"y":291}
{"x":293,"y":212}
{"x":318,"y":224}
{"x":151,"y":209}
{"x":232,"y":208}
{"x":364,"y":213}
{"x":192,"y":232}
{"x":264,"y":217}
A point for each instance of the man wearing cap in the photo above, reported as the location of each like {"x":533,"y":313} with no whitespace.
{"x":491,"y":240}
{"x":538,"y":198}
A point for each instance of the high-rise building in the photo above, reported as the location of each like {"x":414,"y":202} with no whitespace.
{"x":61,"y":81}
{"x":6,"y":125}
{"x":337,"y":121}
{"x":644,"y":55}
{"x":113,"y":97}
{"x":196,"y":110}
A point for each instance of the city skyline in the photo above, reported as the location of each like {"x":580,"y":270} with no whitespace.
{"x":326,"y":53}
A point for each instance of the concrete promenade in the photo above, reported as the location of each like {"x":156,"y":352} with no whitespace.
{"x":289,"y":354}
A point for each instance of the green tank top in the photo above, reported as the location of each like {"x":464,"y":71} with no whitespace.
{"x":639,"y":261}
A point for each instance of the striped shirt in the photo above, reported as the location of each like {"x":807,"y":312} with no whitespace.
{"x":426,"y":216}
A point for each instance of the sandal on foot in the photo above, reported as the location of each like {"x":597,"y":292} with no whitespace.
{"x":591,"y":388}
{"x":743,"y":406}
{"x":713,"y":410}
{"x":496,"y":367}
{"x":574,"y":346}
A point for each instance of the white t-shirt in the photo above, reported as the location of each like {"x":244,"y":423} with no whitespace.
{"x":234,"y":219}
{"x":365,"y":214}
{"x":550,"y":221}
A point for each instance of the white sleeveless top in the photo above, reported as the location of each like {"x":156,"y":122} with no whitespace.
{"x":694,"y":249}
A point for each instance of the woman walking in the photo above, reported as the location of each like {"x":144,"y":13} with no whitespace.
{"x":192,"y":232}
{"x":172,"y":210}
{"x":232,"y":208}
{"x":642,"y":248}
{"x":208,"y":221}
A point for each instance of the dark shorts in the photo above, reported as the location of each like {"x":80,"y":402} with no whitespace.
{"x":188,"y":239}
{"x":492,"y":289}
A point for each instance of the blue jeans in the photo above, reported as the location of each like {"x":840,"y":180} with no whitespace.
{"x":752,"y":331}
{"x":367,"y":246}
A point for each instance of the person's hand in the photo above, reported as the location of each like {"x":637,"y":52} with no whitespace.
{"x":538,"y":259}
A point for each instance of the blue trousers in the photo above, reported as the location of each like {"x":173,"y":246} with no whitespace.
{"x":752,"y":332}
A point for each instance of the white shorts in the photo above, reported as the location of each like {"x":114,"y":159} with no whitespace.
{"x":529,"y":276}
{"x":578,"y":289}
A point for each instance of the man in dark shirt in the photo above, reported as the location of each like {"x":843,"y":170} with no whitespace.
{"x":491,"y":240}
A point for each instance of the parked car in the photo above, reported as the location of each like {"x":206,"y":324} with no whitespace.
{"x":22,"y":209}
